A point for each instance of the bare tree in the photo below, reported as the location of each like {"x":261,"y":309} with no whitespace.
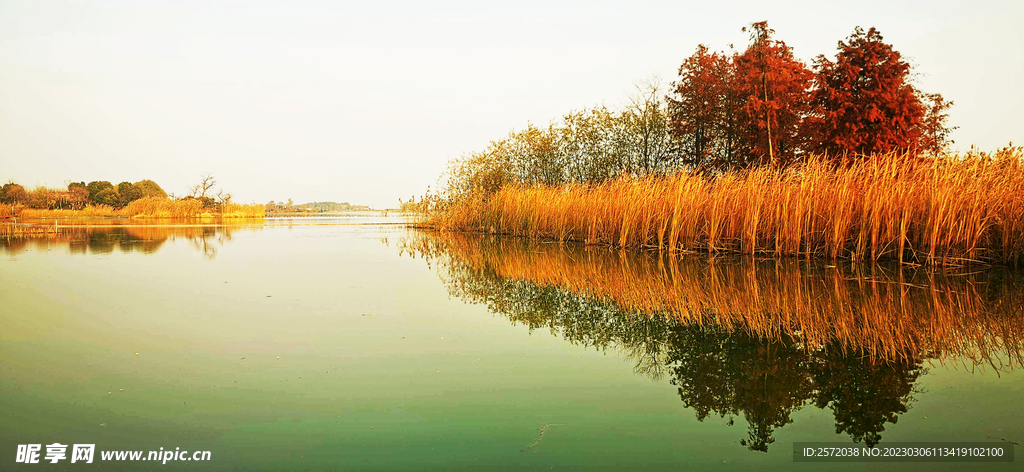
{"x":205,"y":185}
{"x":223,"y":197}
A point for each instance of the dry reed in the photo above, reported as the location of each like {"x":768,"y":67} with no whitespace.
{"x":91,"y":211}
{"x":948,"y":211}
{"x":236,"y":210}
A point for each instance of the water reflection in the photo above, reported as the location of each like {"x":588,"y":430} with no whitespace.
{"x":759,"y":339}
{"x":103,"y":237}
{"x":766,"y":380}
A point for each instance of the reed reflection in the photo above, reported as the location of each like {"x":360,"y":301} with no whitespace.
{"x":85,"y":238}
{"x":759,"y":339}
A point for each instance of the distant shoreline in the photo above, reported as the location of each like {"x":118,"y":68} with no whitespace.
{"x":79,"y":215}
{"x":290,"y":214}
{"x":310,"y":214}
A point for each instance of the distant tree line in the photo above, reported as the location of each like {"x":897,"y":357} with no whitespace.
{"x":318,"y":207}
{"x":78,"y":195}
{"x":729,"y":111}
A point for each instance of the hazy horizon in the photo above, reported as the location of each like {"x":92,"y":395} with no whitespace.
{"x":365,"y":104}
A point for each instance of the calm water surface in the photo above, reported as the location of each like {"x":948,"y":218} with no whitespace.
{"x":356,"y":344}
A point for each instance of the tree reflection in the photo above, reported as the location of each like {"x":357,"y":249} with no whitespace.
{"x":863,"y":394}
{"x":102,"y":242}
{"x":766,"y":380}
{"x":735,"y":373}
{"x":89,"y":239}
{"x":759,"y":341}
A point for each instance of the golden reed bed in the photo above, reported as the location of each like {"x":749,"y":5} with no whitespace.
{"x":889,"y":314}
{"x":947,"y":211}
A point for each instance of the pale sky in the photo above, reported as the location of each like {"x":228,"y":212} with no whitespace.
{"x":366,"y":102}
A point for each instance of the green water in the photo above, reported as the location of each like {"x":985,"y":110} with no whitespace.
{"x":327,"y":346}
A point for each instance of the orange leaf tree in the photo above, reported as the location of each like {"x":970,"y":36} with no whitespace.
{"x":743,"y":110}
{"x":703,"y":110}
{"x":774,"y":87}
{"x":864,"y":103}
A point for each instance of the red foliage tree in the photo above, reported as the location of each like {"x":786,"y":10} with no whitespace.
{"x":702,"y":110}
{"x":864,"y":103}
{"x":766,"y":107}
{"x":775,"y":91}
{"x":743,"y":110}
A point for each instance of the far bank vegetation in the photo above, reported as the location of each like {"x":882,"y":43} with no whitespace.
{"x":142,"y":199}
{"x":290,"y":208}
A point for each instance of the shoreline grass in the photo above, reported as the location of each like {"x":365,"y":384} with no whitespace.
{"x":947,"y":211}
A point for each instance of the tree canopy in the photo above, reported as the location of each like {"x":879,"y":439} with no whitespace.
{"x":79,"y":194}
{"x":766,"y":107}
{"x":864,"y":103}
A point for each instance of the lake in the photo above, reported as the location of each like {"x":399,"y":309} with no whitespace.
{"x":360,"y":344}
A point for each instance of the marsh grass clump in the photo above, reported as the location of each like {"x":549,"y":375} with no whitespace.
{"x":91,"y":211}
{"x":7,"y":210}
{"x":239,"y":210}
{"x":163,"y":208}
{"x":942,"y":211}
